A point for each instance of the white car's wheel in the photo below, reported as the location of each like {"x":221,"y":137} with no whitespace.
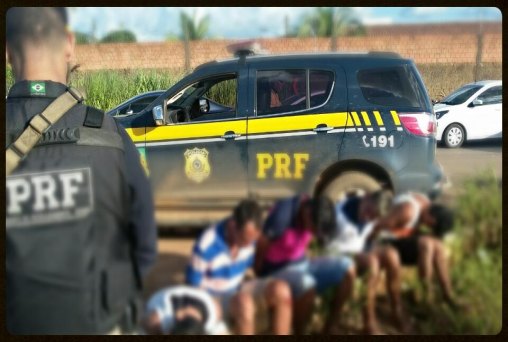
{"x":454,"y":136}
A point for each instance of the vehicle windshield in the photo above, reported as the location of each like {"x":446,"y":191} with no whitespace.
{"x":461,"y":95}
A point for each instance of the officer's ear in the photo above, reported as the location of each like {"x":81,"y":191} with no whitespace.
{"x":70,"y":44}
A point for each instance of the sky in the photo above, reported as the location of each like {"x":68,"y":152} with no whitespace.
{"x":156,"y":23}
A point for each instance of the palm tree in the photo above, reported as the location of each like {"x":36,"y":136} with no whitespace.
{"x":192,"y":28}
{"x":320,"y":23}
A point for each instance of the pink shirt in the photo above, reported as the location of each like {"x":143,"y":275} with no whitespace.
{"x":290,"y":246}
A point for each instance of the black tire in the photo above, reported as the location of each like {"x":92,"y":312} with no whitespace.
{"x":350,"y":182}
{"x":454,"y":136}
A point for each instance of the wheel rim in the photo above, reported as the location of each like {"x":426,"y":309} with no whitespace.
{"x":454,"y":136}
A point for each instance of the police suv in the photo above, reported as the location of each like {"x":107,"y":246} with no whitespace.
{"x":284,"y":124}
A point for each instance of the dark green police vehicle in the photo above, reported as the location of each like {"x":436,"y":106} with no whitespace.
{"x":271,"y":126}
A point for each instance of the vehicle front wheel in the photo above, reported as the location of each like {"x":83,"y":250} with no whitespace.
{"x":454,"y":136}
{"x":350,"y":182}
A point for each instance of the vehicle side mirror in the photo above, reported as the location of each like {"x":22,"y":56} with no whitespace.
{"x":204,"y":105}
{"x":158,"y":115}
{"x":477,"y":102}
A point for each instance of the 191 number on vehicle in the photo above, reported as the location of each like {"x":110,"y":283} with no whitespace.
{"x":380,"y":141}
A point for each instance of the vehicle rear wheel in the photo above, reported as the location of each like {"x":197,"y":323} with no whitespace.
{"x":350,"y":182}
{"x":454,"y":136}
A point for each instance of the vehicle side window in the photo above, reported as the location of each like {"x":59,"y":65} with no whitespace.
{"x":281,"y":91}
{"x":493,"y":95}
{"x":320,"y":84}
{"x":285,"y":91}
{"x":209,"y":99}
{"x":223,"y":93}
{"x":393,"y":86}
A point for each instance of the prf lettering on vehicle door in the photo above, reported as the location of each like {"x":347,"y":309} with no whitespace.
{"x":281,"y":165}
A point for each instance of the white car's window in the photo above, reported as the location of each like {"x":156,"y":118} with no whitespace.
{"x":461,"y":95}
{"x":493,"y":95}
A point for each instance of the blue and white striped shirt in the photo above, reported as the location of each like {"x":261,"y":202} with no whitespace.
{"x":212,"y":267}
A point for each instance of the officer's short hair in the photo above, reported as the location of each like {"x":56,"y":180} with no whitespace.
{"x":34,"y":25}
{"x":247,"y":210}
{"x":444,"y":218}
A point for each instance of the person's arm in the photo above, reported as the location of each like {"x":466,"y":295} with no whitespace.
{"x":141,"y":214}
{"x":394,"y":221}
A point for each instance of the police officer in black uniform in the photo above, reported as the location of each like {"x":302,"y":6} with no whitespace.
{"x":80,"y":228}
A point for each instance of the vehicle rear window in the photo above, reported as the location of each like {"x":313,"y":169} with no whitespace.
{"x":393,"y":86}
{"x":285,"y":91}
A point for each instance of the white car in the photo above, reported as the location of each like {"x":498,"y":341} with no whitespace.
{"x":472,"y":112}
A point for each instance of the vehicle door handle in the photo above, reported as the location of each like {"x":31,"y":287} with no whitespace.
{"x":322,"y":128}
{"x":230,"y":135}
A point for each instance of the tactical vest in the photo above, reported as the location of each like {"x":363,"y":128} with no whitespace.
{"x":69,"y":249}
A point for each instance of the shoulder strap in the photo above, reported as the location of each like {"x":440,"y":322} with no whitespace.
{"x":39,"y":124}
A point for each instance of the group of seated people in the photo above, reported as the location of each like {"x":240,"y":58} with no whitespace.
{"x":248,"y":275}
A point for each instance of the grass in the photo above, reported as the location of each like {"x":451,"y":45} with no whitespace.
{"x":475,"y":256}
{"x":106,"y":89}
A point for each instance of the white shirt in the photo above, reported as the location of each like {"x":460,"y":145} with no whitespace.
{"x":350,"y":239}
{"x":160,"y":302}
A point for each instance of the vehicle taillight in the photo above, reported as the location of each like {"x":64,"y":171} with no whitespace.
{"x":422,"y":124}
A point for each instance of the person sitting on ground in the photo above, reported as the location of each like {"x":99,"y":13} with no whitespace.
{"x":356,"y":217}
{"x":405,"y":222}
{"x":282,"y":254}
{"x":220,"y":260}
{"x":183,"y":310}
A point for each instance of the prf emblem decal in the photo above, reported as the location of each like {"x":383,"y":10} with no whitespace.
{"x":197,"y":167}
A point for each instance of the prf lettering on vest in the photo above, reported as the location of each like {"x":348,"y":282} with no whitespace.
{"x":281,"y":165}
{"x":48,"y":197}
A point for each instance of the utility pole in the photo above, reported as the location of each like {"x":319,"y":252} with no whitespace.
{"x":479,"y":48}
{"x":186,"y":46}
{"x":286,"y":26}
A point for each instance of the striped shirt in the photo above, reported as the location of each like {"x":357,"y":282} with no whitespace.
{"x":212,"y":266}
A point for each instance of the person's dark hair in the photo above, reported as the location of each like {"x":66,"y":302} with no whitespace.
{"x":245,"y":211}
{"x":444,"y":219}
{"x":35,"y":25}
{"x":324,"y":218}
{"x":188,"y":326}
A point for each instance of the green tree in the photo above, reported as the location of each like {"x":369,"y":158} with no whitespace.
{"x":119,"y":36}
{"x":83,"y":38}
{"x":192,"y":28}
{"x":320,"y":23}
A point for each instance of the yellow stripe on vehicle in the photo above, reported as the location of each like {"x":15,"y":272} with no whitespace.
{"x":366,"y":118}
{"x":395,"y":117}
{"x":356,"y":119}
{"x":257,"y":125}
{"x":297,"y":122}
{"x":137,"y":134}
{"x":378,"y":118}
{"x":201,"y":130}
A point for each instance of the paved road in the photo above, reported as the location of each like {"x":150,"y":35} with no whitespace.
{"x":174,"y":248}
{"x":470,"y":159}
